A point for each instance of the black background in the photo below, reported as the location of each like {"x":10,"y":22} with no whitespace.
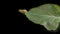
{"x":23,"y":24}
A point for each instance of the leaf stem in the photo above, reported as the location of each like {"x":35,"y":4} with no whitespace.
{"x":23,"y":11}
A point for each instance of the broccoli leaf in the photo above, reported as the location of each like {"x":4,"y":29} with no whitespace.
{"x":47,"y":15}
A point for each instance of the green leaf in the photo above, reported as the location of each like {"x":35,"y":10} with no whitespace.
{"x":47,"y":15}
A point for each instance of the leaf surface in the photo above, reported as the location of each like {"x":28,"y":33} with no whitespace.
{"x":47,"y":15}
